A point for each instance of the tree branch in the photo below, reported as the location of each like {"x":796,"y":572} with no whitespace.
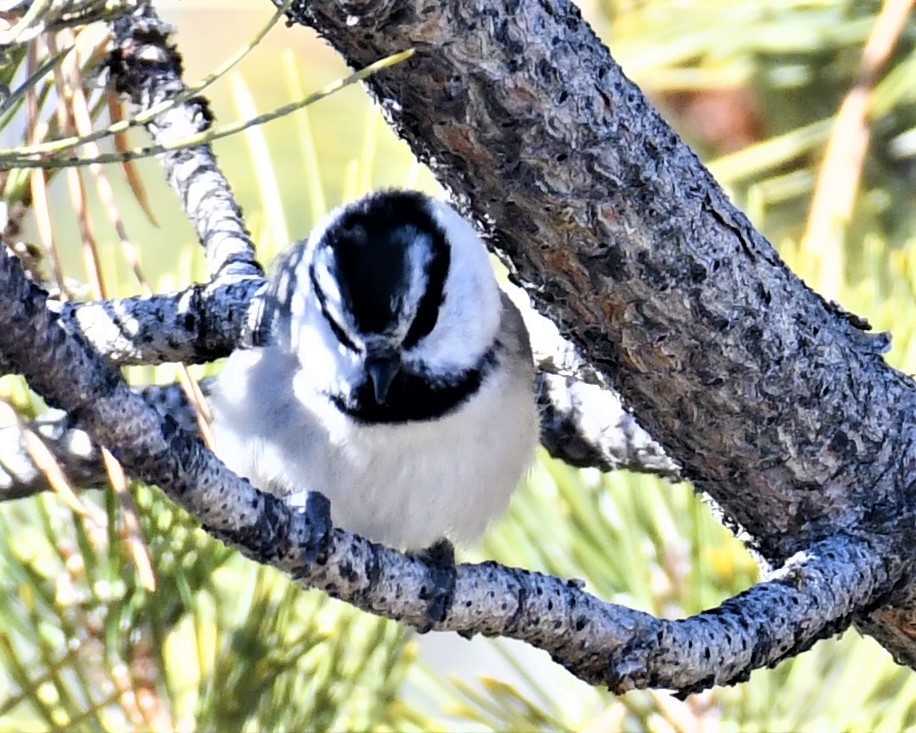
{"x":197,"y":325}
{"x":812,"y":597}
{"x":143,"y":65}
{"x":583,"y":421}
{"x":598,"y":642}
{"x":73,"y":449}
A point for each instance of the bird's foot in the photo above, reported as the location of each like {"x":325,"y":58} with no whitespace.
{"x":440,"y":556}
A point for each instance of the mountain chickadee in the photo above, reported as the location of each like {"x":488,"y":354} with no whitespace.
{"x":388,"y":372}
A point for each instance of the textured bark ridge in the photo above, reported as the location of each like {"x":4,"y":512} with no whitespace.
{"x":777,"y":404}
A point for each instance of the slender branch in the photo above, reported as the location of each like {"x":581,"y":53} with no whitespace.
{"x":588,"y":427}
{"x":145,"y":66}
{"x":197,"y":325}
{"x":599,"y":642}
{"x":812,"y":597}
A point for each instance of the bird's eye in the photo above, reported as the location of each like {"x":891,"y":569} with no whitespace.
{"x":338,"y":329}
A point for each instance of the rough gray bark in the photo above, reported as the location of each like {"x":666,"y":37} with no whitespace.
{"x":198,"y":325}
{"x":776,"y":403}
{"x":583,"y":421}
{"x":647,"y":276}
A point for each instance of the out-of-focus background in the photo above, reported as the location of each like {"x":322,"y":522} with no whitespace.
{"x":118,"y":613}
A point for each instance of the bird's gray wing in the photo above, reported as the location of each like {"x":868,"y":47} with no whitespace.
{"x":270,"y":325}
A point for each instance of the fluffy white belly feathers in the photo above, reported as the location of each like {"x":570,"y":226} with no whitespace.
{"x":388,"y":373}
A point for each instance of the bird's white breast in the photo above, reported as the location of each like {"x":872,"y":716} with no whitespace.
{"x":405,"y":484}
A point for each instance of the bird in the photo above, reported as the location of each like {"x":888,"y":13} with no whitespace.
{"x":388,"y":371}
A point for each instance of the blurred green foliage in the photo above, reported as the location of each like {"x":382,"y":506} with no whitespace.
{"x":221,"y":644}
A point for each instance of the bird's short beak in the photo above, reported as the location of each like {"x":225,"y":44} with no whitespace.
{"x":382,"y":367}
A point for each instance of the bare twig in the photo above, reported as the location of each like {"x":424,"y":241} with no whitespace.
{"x":147,"y":68}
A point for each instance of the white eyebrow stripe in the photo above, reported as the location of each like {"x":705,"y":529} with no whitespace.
{"x":419,"y":255}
